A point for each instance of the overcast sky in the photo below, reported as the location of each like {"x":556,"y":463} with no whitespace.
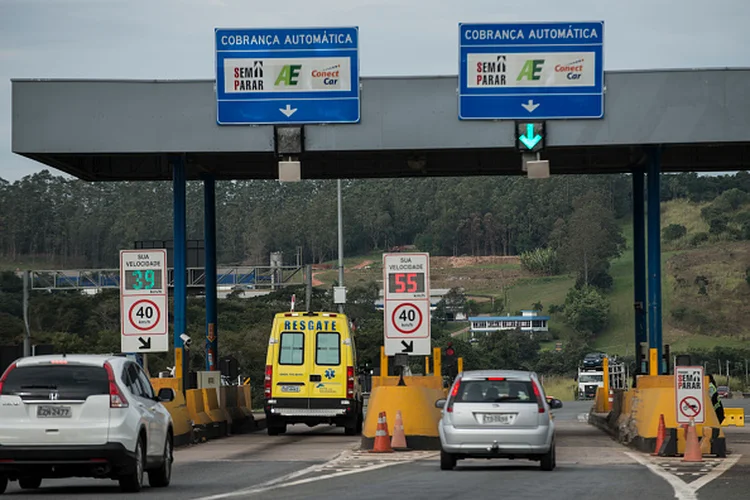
{"x":174,"y":38}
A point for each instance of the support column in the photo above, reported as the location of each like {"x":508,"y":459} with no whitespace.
{"x":639,"y":258}
{"x":179,"y":181}
{"x":341,"y":241}
{"x":654,"y":256}
{"x":209,"y":234}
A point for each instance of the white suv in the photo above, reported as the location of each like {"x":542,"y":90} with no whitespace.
{"x":83,"y":416}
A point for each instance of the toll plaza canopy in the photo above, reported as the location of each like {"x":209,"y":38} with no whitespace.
{"x":105,"y":130}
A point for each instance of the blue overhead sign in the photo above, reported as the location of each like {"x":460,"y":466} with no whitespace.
{"x":531,"y":71}
{"x":290,"y":75}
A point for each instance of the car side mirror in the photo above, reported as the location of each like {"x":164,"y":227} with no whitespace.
{"x":440,"y":403}
{"x":555,"y":404}
{"x":165,"y":395}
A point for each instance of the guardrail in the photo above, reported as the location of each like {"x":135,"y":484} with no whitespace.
{"x":247,"y":277}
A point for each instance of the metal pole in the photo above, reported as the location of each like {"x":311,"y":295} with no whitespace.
{"x":654,"y":257}
{"x":27,"y":337}
{"x":179,"y":179}
{"x":209,"y":233}
{"x":639,"y":258}
{"x":308,"y":288}
{"x":341,"y":242}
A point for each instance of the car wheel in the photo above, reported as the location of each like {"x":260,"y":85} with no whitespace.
{"x":133,"y":482}
{"x":30,"y":483}
{"x":161,"y":477}
{"x":447,"y":461}
{"x":275,"y":429}
{"x":3,"y":483}
{"x":549,"y":460}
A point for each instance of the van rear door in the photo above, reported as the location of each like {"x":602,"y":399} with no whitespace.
{"x":290,"y":371}
{"x":328,"y":374}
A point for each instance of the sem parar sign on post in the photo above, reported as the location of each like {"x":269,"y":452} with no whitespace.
{"x":688,"y":383}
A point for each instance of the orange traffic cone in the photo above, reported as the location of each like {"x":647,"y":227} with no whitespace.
{"x":382,"y":444}
{"x":692,"y":447}
{"x":660,"y":434}
{"x":399,"y":438}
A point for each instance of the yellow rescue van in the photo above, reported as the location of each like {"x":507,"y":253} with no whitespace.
{"x":311,"y":373}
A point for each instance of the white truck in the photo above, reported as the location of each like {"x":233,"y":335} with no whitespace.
{"x":589,"y":380}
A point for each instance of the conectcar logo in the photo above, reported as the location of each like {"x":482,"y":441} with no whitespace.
{"x":573,"y":69}
{"x":330,"y":75}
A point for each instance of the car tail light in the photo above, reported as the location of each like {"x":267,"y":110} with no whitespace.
{"x":116,"y":398}
{"x":268,"y":381}
{"x":454,"y":393}
{"x":5,"y":376}
{"x":538,"y":395}
{"x":349,"y":382}
{"x":496,"y":379}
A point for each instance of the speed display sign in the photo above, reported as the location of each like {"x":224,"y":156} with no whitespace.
{"x":406,"y":278}
{"x":143,"y":301}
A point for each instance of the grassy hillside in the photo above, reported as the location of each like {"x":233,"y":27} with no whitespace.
{"x":693,"y":316}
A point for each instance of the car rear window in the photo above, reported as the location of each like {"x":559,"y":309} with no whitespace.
{"x":292,"y":348}
{"x":495,"y":391}
{"x":61,"y":381}
{"x":328,"y":352}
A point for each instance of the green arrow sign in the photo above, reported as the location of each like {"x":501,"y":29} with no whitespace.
{"x":530,"y":139}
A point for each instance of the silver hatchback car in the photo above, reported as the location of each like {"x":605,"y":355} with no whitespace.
{"x":497,"y":414}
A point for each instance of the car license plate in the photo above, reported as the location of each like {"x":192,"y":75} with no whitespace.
{"x":53,"y":412}
{"x":290,"y":388}
{"x":498,"y":418}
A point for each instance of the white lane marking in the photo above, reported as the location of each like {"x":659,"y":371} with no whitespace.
{"x":268,"y":487}
{"x":717,"y":471}
{"x":682,"y":491}
{"x":284,"y":481}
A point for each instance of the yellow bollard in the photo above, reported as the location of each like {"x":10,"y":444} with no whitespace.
{"x":383,"y":365}
{"x":437,"y":365}
{"x":426,"y":365}
{"x":653,"y":362}
{"x":460,"y":365}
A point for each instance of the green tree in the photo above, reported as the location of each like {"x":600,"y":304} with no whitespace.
{"x":590,"y":238}
{"x":586,"y":310}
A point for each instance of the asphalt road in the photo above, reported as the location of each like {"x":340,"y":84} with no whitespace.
{"x":322,"y":463}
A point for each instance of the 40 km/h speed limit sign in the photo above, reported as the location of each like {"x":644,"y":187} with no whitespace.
{"x":406,"y":281}
{"x":143,"y":301}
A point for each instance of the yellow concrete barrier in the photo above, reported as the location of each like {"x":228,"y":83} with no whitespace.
{"x":197,"y":407}
{"x":245,"y":402}
{"x":183,"y":424}
{"x":212,"y":408}
{"x":233,"y":407}
{"x":417,"y":406}
{"x":221,"y":393}
{"x":734,"y":417}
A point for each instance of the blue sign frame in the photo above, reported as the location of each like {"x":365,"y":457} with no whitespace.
{"x":258,"y":107}
{"x":531,"y":103}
